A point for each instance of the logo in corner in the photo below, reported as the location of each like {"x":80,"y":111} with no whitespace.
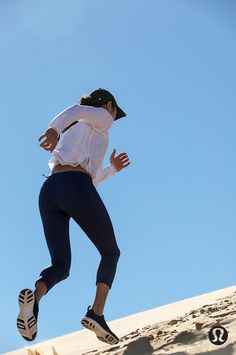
{"x":218,"y":335}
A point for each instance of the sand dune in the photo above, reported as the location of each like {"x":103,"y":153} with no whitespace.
{"x":180,"y":328}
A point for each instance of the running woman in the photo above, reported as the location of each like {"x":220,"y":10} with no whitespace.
{"x":70,"y":191}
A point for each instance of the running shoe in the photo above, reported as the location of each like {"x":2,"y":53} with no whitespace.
{"x":98,"y":325}
{"x":27,"y":318}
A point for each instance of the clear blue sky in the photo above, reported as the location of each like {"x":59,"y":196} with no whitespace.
{"x":171,"y":66}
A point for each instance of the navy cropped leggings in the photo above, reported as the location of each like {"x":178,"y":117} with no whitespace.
{"x":72,"y":194}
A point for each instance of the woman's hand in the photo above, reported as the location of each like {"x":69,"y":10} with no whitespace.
{"x":51,"y":140}
{"x":120,"y":162}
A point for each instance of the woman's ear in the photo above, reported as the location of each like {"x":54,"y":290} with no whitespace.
{"x":109,"y":105}
{"x":104,"y":106}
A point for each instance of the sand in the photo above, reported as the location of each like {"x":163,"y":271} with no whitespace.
{"x":179,"y":328}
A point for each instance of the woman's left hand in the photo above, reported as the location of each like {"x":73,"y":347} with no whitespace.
{"x":51,"y":138}
{"x":120,"y":162}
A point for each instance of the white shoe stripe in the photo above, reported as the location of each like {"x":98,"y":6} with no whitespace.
{"x":100,"y":332}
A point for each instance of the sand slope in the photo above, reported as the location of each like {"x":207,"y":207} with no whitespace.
{"x":179,"y":328}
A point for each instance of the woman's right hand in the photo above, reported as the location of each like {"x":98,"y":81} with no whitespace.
{"x":121,"y":161}
{"x":51,"y":139}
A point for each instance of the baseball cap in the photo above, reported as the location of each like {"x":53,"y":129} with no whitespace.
{"x":103,"y":96}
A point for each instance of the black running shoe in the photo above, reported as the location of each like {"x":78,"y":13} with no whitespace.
{"x":98,"y":325}
{"x":27,"y":318}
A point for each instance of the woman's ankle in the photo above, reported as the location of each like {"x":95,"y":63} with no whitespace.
{"x":97,"y":311}
{"x":40,"y":290}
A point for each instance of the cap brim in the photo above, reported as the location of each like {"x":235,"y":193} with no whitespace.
{"x":120,"y":113}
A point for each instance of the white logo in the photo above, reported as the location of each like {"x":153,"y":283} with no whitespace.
{"x":218,"y":335}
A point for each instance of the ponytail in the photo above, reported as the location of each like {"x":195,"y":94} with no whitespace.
{"x":86,"y":100}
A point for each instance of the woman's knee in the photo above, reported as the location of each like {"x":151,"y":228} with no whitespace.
{"x":117,"y":253}
{"x":63,"y":271}
{"x":113,"y":253}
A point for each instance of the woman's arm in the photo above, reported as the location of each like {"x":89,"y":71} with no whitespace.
{"x":117,"y":163}
{"x":98,"y":117}
{"x":104,"y":173}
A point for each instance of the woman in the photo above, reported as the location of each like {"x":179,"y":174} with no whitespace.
{"x":70,"y":191}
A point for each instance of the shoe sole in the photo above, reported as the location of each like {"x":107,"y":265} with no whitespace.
{"x":26,"y":321}
{"x":100,"y":332}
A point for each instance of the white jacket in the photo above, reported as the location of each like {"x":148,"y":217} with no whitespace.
{"x":84,"y":143}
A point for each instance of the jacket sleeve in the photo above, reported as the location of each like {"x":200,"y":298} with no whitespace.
{"x":104,"y":173}
{"x":98,"y":117}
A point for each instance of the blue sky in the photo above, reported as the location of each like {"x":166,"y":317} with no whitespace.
{"x":171,"y":67}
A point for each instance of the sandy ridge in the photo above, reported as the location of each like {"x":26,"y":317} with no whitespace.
{"x":187,"y":334}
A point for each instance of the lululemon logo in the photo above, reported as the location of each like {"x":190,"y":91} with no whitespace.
{"x":218,"y":335}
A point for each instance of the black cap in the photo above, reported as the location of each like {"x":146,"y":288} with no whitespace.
{"x":103,"y":96}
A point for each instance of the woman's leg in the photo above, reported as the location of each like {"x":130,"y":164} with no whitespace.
{"x":100,"y":298}
{"x":56,"y":230}
{"x":40,"y":290}
{"x":90,"y":213}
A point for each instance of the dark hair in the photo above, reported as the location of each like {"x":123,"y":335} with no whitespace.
{"x":87,"y":101}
